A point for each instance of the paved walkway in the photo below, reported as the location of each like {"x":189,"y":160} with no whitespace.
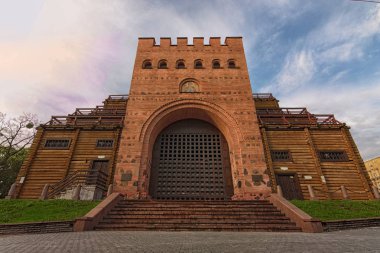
{"x":361,"y":240}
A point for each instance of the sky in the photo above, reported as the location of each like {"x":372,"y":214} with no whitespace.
{"x":324,"y":55}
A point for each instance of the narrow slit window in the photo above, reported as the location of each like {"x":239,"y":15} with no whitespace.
{"x":104,"y":143}
{"x":281,"y":156}
{"x":57,"y":144}
{"x":333,"y":156}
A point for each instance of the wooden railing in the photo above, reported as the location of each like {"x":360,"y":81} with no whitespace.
{"x":98,"y":111}
{"x":84,"y":120}
{"x":284,"y":110}
{"x":97,"y":178}
{"x":298,"y":119}
{"x":118,"y":97}
{"x":263,"y":95}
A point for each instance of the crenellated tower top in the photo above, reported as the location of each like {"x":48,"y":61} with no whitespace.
{"x":197,"y":42}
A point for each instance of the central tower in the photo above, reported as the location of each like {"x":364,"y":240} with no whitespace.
{"x":191,"y":129}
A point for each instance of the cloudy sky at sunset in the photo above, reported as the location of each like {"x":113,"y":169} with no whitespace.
{"x":57,"y":55}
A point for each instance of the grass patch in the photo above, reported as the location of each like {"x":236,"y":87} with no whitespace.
{"x":20,"y":210}
{"x":339,"y":209}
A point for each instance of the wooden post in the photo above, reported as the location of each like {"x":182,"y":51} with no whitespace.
{"x":354,"y":152}
{"x":76,"y":195}
{"x":44,"y":193}
{"x":31,"y":155}
{"x":12,"y":191}
{"x":71,"y":152}
{"x":279,"y":191}
{"x":344,"y":192}
{"x":311,"y":192}
{"x":110,"y":190}
{"x":317,"y":164}
{"x":376,"y":192}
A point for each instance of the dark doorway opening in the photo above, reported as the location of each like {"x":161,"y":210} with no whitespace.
{"x":290,"y":185}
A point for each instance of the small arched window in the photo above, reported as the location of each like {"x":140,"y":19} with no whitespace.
{"x":147,"y":64}
{"x":231,"y":64}
{"x":162,"y":64}
{"x":180,"y":64}
{"x":216,"y":64}
{"x":198,"y":64}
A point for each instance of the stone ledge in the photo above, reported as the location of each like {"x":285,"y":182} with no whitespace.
{"x":92,"y":218}
{"x":307,"y":223}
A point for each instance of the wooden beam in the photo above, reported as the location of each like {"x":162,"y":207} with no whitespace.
{"x":318,"y":167}
{"x":33,"y":151}
{"x":358,"y":161}
{"x":72,"y":149}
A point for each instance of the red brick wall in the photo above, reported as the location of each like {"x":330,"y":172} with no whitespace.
{"x":225,"y":100}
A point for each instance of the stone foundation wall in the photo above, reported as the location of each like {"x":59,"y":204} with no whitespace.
{"x":350,"y":224}
{"x":37,"y":227}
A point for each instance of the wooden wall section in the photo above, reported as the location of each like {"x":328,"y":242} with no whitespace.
{"x":304,"y":145}
{"x":348,"y":173}
{"x":49,"y":166}
{"x":86,"y":150}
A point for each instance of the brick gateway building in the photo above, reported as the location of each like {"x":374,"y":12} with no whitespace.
{"x":191,"y":129}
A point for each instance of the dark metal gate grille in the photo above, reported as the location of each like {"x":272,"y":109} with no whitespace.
{"x":189,"y":166}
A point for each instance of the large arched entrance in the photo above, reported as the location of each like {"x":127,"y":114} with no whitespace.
{"x":191,"y":162}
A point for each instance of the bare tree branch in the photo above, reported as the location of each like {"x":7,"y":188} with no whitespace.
{"x":16,"y":134}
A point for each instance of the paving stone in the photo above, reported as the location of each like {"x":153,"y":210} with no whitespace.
{"x":360,"y":240}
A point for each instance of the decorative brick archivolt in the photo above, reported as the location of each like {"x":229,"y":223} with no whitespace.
{"x":180,"y":110}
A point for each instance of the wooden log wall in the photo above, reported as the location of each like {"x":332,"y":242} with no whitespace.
{"x":49,"y":165}
{"x":304,"y":145}
{"x":302,"y":161}
{"x":86,"y":151}
{"x":347,"y":173}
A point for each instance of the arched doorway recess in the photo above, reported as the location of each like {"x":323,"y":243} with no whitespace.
{"x":190,"y":161}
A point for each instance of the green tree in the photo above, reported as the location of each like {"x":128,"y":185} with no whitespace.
{"x":16,"y":135}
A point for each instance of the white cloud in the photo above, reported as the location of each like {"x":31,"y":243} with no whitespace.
{"x":298,"y":69}
{"x":357,"y":105}
{"x":343,"y":53}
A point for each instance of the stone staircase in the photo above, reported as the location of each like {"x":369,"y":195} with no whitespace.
{"x":257,"y":215}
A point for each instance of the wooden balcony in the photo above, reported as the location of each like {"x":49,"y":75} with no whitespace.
{"x":295,"y":116}
{"x":84,"y":121}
